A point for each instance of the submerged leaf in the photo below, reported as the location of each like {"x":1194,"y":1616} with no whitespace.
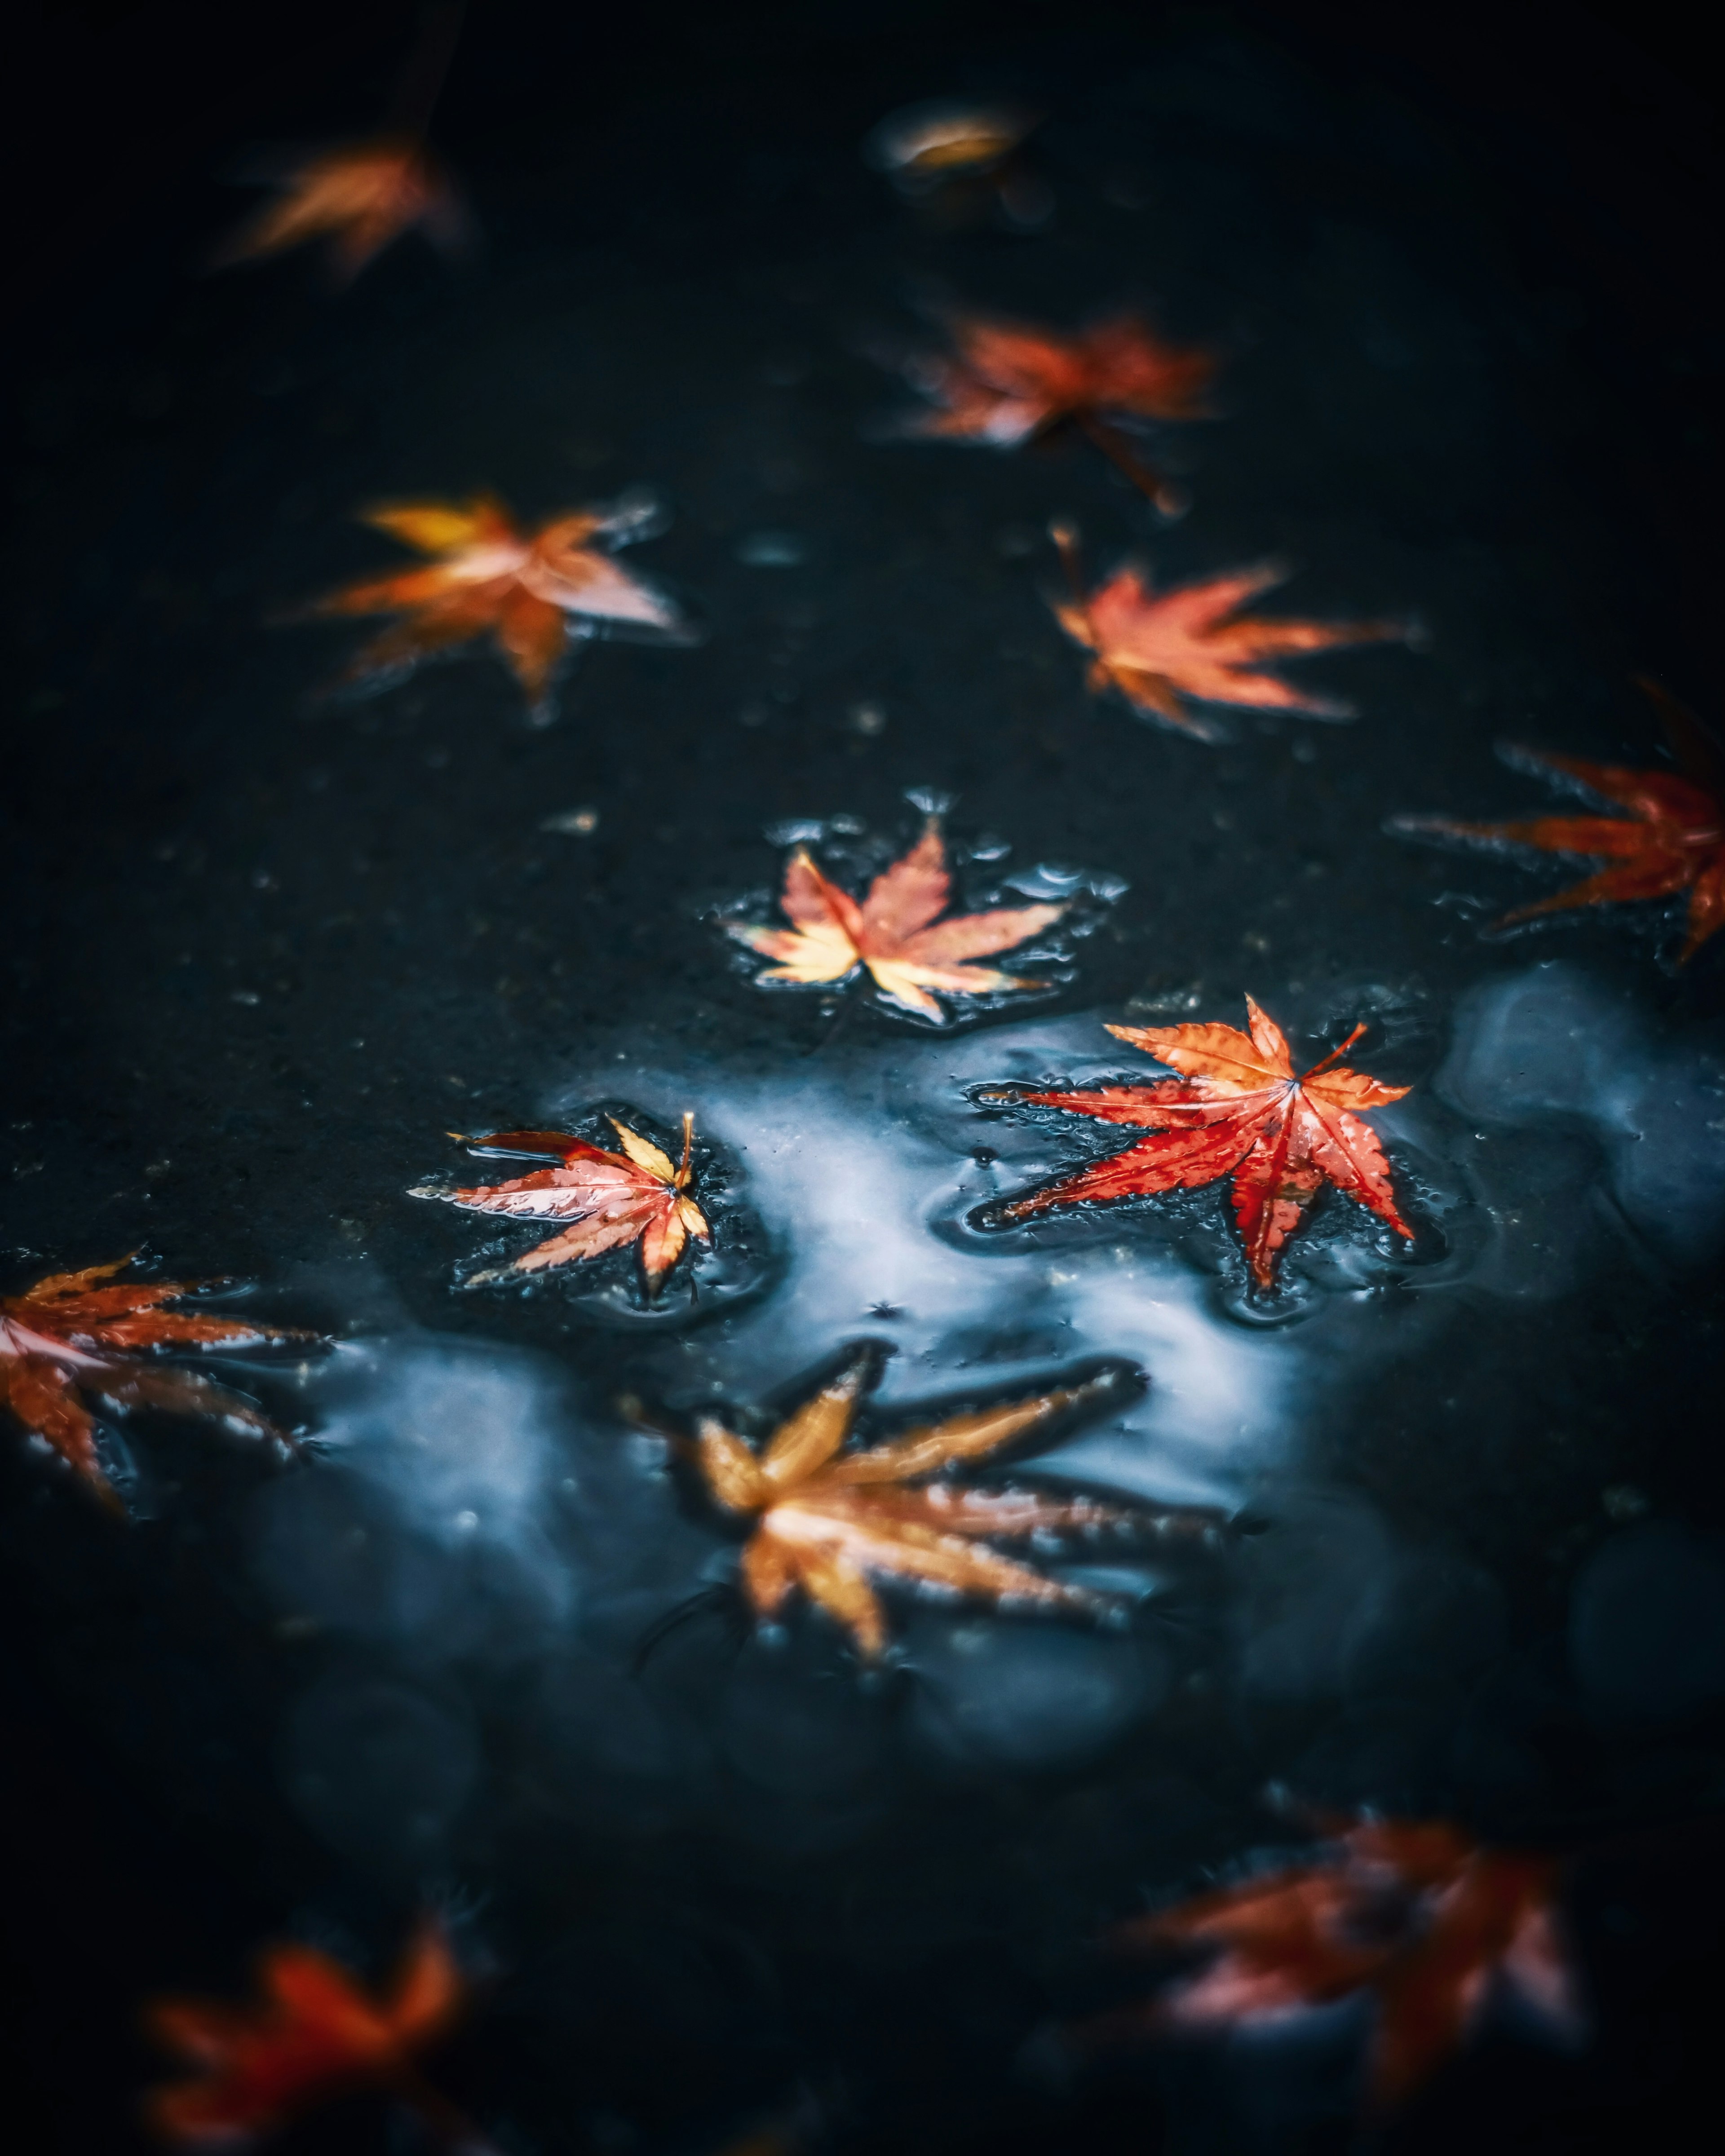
{"x":1238,"y":1109}
{"x":608,"y":1200}
{"x":833,"y":1523}
{"x":67,"y":1342}
{"x":896,"y":932}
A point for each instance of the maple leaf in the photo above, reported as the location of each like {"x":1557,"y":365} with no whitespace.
{"x":531,"y":591}
{"x":1160,"y":647}
{"x":314,"y":2034}
{"x":1004,"y":382}
{"x":1238,"y":1109}
{"x":830,"y":1522}
{"x":1414,"y":1912}
{"x":1671,"y":840}
{"x":67,"y":1341}
{"x":361,"y":197}
{"x":609,"y":1199}
{"x":896,"y":932}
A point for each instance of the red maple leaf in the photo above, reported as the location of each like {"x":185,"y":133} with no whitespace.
{"x":1671,"y":840}
{"x":609,"y":1199}
{"x":1238,"y":1109}
{"x":314,"y":2034}
{"x":531,"y":592}
{"x":65,"y":1341}
{"x":1414,"y":1912}
{"x":1004,"y":382}
{"x":1158,"y":648}
{"x":896,"y":932}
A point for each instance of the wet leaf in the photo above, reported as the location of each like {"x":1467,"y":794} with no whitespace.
{"x":1004,"y":382}
{"x":610,"y":1200}
{"x":359,"y":197}
{"x":314,"y":2033}
{"x":1158,"y":648}
{"x":1238,"y":1109}
{"x":70,"y":1341}
{"x":834,"y":1521}
{"x":1671,"y":837}
{"x":896,"y":932}
{"x":530,"y":592}
{"x":1414,"y":1912}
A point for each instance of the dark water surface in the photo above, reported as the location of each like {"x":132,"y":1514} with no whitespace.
{"x":266,"y":949}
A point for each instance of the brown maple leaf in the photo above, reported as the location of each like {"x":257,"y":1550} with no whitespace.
{"x":69,"y":1341}
{"x":1671,"y":840}
{"x":1240,"y":1110}
{"x":609,"y":1199}
{"x":1157,"y":648}
{"x":359,"y":197}
{"x":830,"y":1522}
{"x":1004,"y":382}
{"x":531,"y":592}
{"x":1414,"y":1912}
{"x":316,"y":2034}
{"x":896,"y":932}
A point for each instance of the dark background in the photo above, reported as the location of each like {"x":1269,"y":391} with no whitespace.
{"x":1579,"y":142}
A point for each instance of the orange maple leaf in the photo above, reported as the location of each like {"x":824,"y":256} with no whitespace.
{"x":1157,"y":648}
{"x":532,"y":592}
{"x":1414,"y":1911}
{"x":64,"y":1343}
{"x":1240,"y":1110}
{"x":1672,"y":839}
{"x":316,"y":2034}
{"x":359,"y":196}
{"x":1004,"y":382}
{"x":830,"y":1521}
{"x":610,"y":1199}
{"x":896,"y":932}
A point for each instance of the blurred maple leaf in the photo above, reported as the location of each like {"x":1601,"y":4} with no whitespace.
{"x":610,"y":1199}
{"x":64,"y":1341}
{"x":1414,"y":1912}
{"x":363,"y":195}
{"x":1672,"y":839}
{"x":1158,"y":648}
{"x":1238,"y":1109}
{"x":1004,"y":382}
{"x":830,"y":1521}
{"x":532,"y":592}
{"x":896,"y":932}
{"x":314,"y":2034}
{"x":359,"y":196}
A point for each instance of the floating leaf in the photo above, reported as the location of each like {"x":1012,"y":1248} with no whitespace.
{"x":530,"y":592}
{"x":68,"y":1341}
{"x":1157,"y":648}
{"x":896,"y":932}
{"x":1237,"y":1110}
{"x":608,"y":1200}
